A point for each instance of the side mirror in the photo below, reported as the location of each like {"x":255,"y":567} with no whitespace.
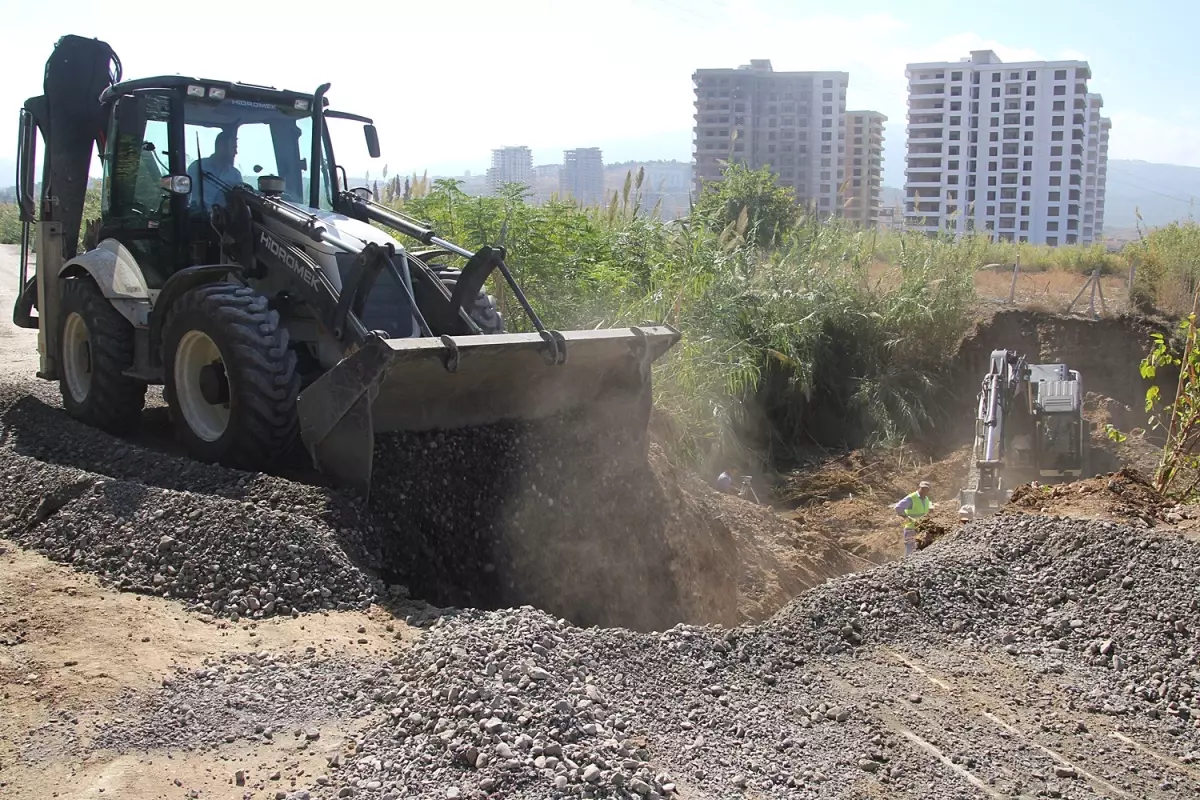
{"x":177,"y":184}
{"x":372,"y":140}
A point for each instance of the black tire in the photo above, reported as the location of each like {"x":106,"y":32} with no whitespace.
{"x":483,"y":309}
{"x":110,"y":400}
{"x":260,"y":381}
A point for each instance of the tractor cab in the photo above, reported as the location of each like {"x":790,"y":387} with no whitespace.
{"x":175,"y":146}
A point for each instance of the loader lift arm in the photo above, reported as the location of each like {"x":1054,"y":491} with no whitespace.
{"x":480,"y":264}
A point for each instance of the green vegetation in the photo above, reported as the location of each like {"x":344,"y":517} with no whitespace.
{"x":796,"y":331}
{"x":789,"y":338}
{"x":1178,"y":473}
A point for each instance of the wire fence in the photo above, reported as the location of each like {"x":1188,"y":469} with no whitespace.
{"x":1093,"y":295}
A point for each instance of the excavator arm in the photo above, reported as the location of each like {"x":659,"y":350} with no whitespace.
{"x":1002,"y":385}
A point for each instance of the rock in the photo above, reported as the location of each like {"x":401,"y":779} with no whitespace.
{"x":867,"y":765}
{"x":591,"y":773}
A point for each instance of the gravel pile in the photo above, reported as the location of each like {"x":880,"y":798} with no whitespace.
{"x":228,"y":543}
{"x":223,"y":557}
{"x":519,"y":704}
{"x":1102,"y":594}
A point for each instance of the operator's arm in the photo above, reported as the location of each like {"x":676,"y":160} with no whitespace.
{"x":904,"y":505}
{"x":194,"y":196}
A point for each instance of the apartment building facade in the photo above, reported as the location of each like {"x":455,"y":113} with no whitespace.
{"x":1095,"y":168}
{"x":582,"y":175}
{"x":510,"y":165}
{"x":792,"y":122}
{"x":863,"y":182}
{"x":1003,"y":149}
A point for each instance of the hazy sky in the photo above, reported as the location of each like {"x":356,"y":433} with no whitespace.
{"x":447,"y":81}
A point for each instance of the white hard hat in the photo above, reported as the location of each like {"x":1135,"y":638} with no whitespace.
{"x":923,"y":485}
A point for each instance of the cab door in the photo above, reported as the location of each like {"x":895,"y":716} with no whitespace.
{"x":138,"y":208}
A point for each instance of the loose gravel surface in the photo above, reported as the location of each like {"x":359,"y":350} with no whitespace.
{"x":1021,"y":657}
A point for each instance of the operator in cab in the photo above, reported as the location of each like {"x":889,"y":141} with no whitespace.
{"x":220,"y":165}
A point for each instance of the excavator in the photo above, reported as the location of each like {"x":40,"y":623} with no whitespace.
{"x":1029,"y":426}
{"x":280,"y":310}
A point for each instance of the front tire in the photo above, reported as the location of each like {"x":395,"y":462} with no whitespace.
{"x":482,"y":309}
{"x":230,"y":377}
{"x":96,"y":346}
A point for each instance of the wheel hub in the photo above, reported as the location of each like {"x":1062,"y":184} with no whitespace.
{"x":77,"y":357}
{"x":214,"y":384}
{"x":201,"y":386}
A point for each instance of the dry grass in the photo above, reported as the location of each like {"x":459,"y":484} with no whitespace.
{"x":1049,"y":291}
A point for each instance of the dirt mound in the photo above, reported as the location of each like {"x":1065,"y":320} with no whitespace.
{"x":770,"y":557}
{"x":1127,"y":495}
{"x":929,"y":531}
{"x":848,"y":499}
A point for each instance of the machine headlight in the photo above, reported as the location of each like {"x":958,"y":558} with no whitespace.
{"x":216,"y":94}
{"x":195,"y":91}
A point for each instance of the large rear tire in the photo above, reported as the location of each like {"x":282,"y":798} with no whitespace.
{"x":95,"y":348}
{"x":230,"y":377}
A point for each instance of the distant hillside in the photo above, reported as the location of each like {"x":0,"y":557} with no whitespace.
{"x":1162,"y":193}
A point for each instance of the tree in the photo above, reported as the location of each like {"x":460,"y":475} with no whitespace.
{"x":750,"y":203}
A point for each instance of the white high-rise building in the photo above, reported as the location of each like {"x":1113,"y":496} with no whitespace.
{"x":1005,"y":149}
{"x":510,"y":165}
{"x":1095,"y":169}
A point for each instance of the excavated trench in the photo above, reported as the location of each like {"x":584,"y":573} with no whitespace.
{"x":528,"y":514}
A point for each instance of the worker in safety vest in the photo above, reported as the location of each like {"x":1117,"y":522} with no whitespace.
{"x":910,"y":509}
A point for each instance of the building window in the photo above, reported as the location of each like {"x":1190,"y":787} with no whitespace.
{"x":1052,"y":241}
{"x":1060,"y":74}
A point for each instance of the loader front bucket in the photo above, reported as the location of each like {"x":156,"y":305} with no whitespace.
{"x":420,"y":384}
